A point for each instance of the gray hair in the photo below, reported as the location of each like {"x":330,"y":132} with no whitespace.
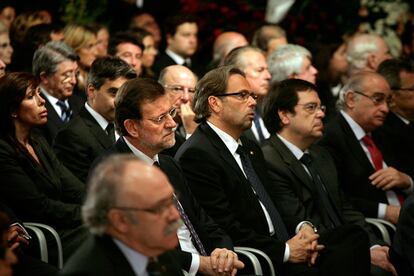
{"x":213,"y":83}
{"x":237,"y":58}
{"x":287,"y":60}
{"x":49,"y":56}
{"x":104,"y":186}
{"x":359,"y":48}
{"x":355,"y":83}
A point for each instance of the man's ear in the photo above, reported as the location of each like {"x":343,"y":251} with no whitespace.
{"x":131,"y":127}
{"x":350,"y":99}
{"x":215,"y":104}
{"x":90,"y":92}
{"x":118,"y":221}
{"x":284,"y":118}
{"x":372,"y":61}
{"x":43,"y":78}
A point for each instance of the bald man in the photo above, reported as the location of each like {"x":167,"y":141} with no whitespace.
{"x":224,"y":43}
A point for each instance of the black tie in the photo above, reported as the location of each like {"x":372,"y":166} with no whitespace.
{"x":66,"y":112}
{"x":321,"y":190}
{"x":110,"y":130}
{"x":261,"y":193}
{"x":154,"y":268}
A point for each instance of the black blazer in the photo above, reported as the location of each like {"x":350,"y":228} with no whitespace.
{"x":80,"y":142}
{"x":101,"y":256}
{"x":402,"y":250}
{"x":222,"y":189}
{"x":163,"y":60}
{"x":47,"y":193}
{"x":54,"y":123}
{"x":209,"y":232}
{"x":293,"y":193}
{"x":353,"y":166}
{"x":395,"y":139}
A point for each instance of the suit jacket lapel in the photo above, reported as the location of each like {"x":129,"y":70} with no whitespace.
{"x":99,"y":134}
{"x":354,"y":145}
{"x":222,"y":149}
{"x":293,"y":164}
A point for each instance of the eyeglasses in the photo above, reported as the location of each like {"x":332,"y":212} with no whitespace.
{"x":159,"y":210}
{"x":311,"y":108}
{"x":242,"y":95}
{"x":163,"y":117}
{"x":179,"y":88}
{"x":409,"y":89}
{"x":377,"y":98}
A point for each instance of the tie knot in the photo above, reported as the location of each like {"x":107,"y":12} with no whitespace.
{"x":306,"y":159}
{"x":240,"y":150}
{"x":109,"y":128}
{"x":156,"y":164}
{"x":367,"y":140}
{"x":62,"y":105}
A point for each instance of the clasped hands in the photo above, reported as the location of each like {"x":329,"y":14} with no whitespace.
{"x":304,"y":246}
{"x":221,"y":262}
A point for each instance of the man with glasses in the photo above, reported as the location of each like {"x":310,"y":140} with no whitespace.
{"x":144,"y":115}
{"x":180,"y":82}
{"x":304,"y":183}
{"x":55,"y":67}
{"x":396,"y":136}
{"x":130,"y":211}
{"x":375,"y":188}
{"x":228,"y":175}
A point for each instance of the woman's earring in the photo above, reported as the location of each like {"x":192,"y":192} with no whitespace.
{"x":14,"y":115}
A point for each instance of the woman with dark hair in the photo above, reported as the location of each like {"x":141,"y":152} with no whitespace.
{"x":35,"y":185}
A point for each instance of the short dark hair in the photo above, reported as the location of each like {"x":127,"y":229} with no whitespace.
{"x":122,"y":37}
{"x":213,"y":83}
{"x":390,"y":69}
{"x":109,"y":68}
{"x":283,"y":96}
{"x":130,"y":97}
{"x":172,"y":22}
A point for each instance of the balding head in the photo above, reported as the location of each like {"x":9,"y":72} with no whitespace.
{"x":180,"y":82}
{"x":226,"y":42}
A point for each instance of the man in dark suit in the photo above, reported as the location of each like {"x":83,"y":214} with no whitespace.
{"x":130,"y":211}
{"x":252,"y":62}
{"x":85,"y":137}
{"x":227,"y":173}
{"x":395,"y":137}
{"x":293,"y":111}
{"x":180,"y":82}
{"x":373,"y":186}
{"x":55,"y":67}
{"x":181,"y":36}
{"x":144,"y":116}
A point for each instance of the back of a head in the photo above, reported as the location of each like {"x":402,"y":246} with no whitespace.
{"x":131,"y":95}
{"x":226,"y":42}
{"x":49,"y":56}
{"x":109,"y":68}
{"x":78,"y":35}
{"x":286,"y":60}
{"x":359,"y":48}
{"x":390,"y":69}
{"x":264,"y":34}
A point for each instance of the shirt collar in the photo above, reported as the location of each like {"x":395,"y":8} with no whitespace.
{"x":137,"y":260}
{"x":142,"y":156}
{"x":297,"y":152}
{"x":98,"y":117}
{"x":177,"y":58}
{"x":407,"y":122}
{"x":229,"y":141}
{"x":356,"y":129}
{"x":52,"y":99}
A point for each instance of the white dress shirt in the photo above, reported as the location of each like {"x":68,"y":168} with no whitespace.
{"x":53,"y":101}
{"x":136,"y":260}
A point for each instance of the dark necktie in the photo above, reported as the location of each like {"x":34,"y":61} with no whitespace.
{"x":259,"y":129}
{"x":66,"y":112}
{"x":110,"y":130}
{"x":375,"y":153}
{"x":196,"y":240}
{"x":154,"y":268}
{"x":321,"y":191}
{"x":263,"y":196}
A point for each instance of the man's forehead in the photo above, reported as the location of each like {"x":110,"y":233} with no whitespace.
{"x":237,"y":82}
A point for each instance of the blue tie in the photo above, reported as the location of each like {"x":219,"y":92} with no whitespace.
{"x":66,"y":112}
{"x":259,"y":129}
